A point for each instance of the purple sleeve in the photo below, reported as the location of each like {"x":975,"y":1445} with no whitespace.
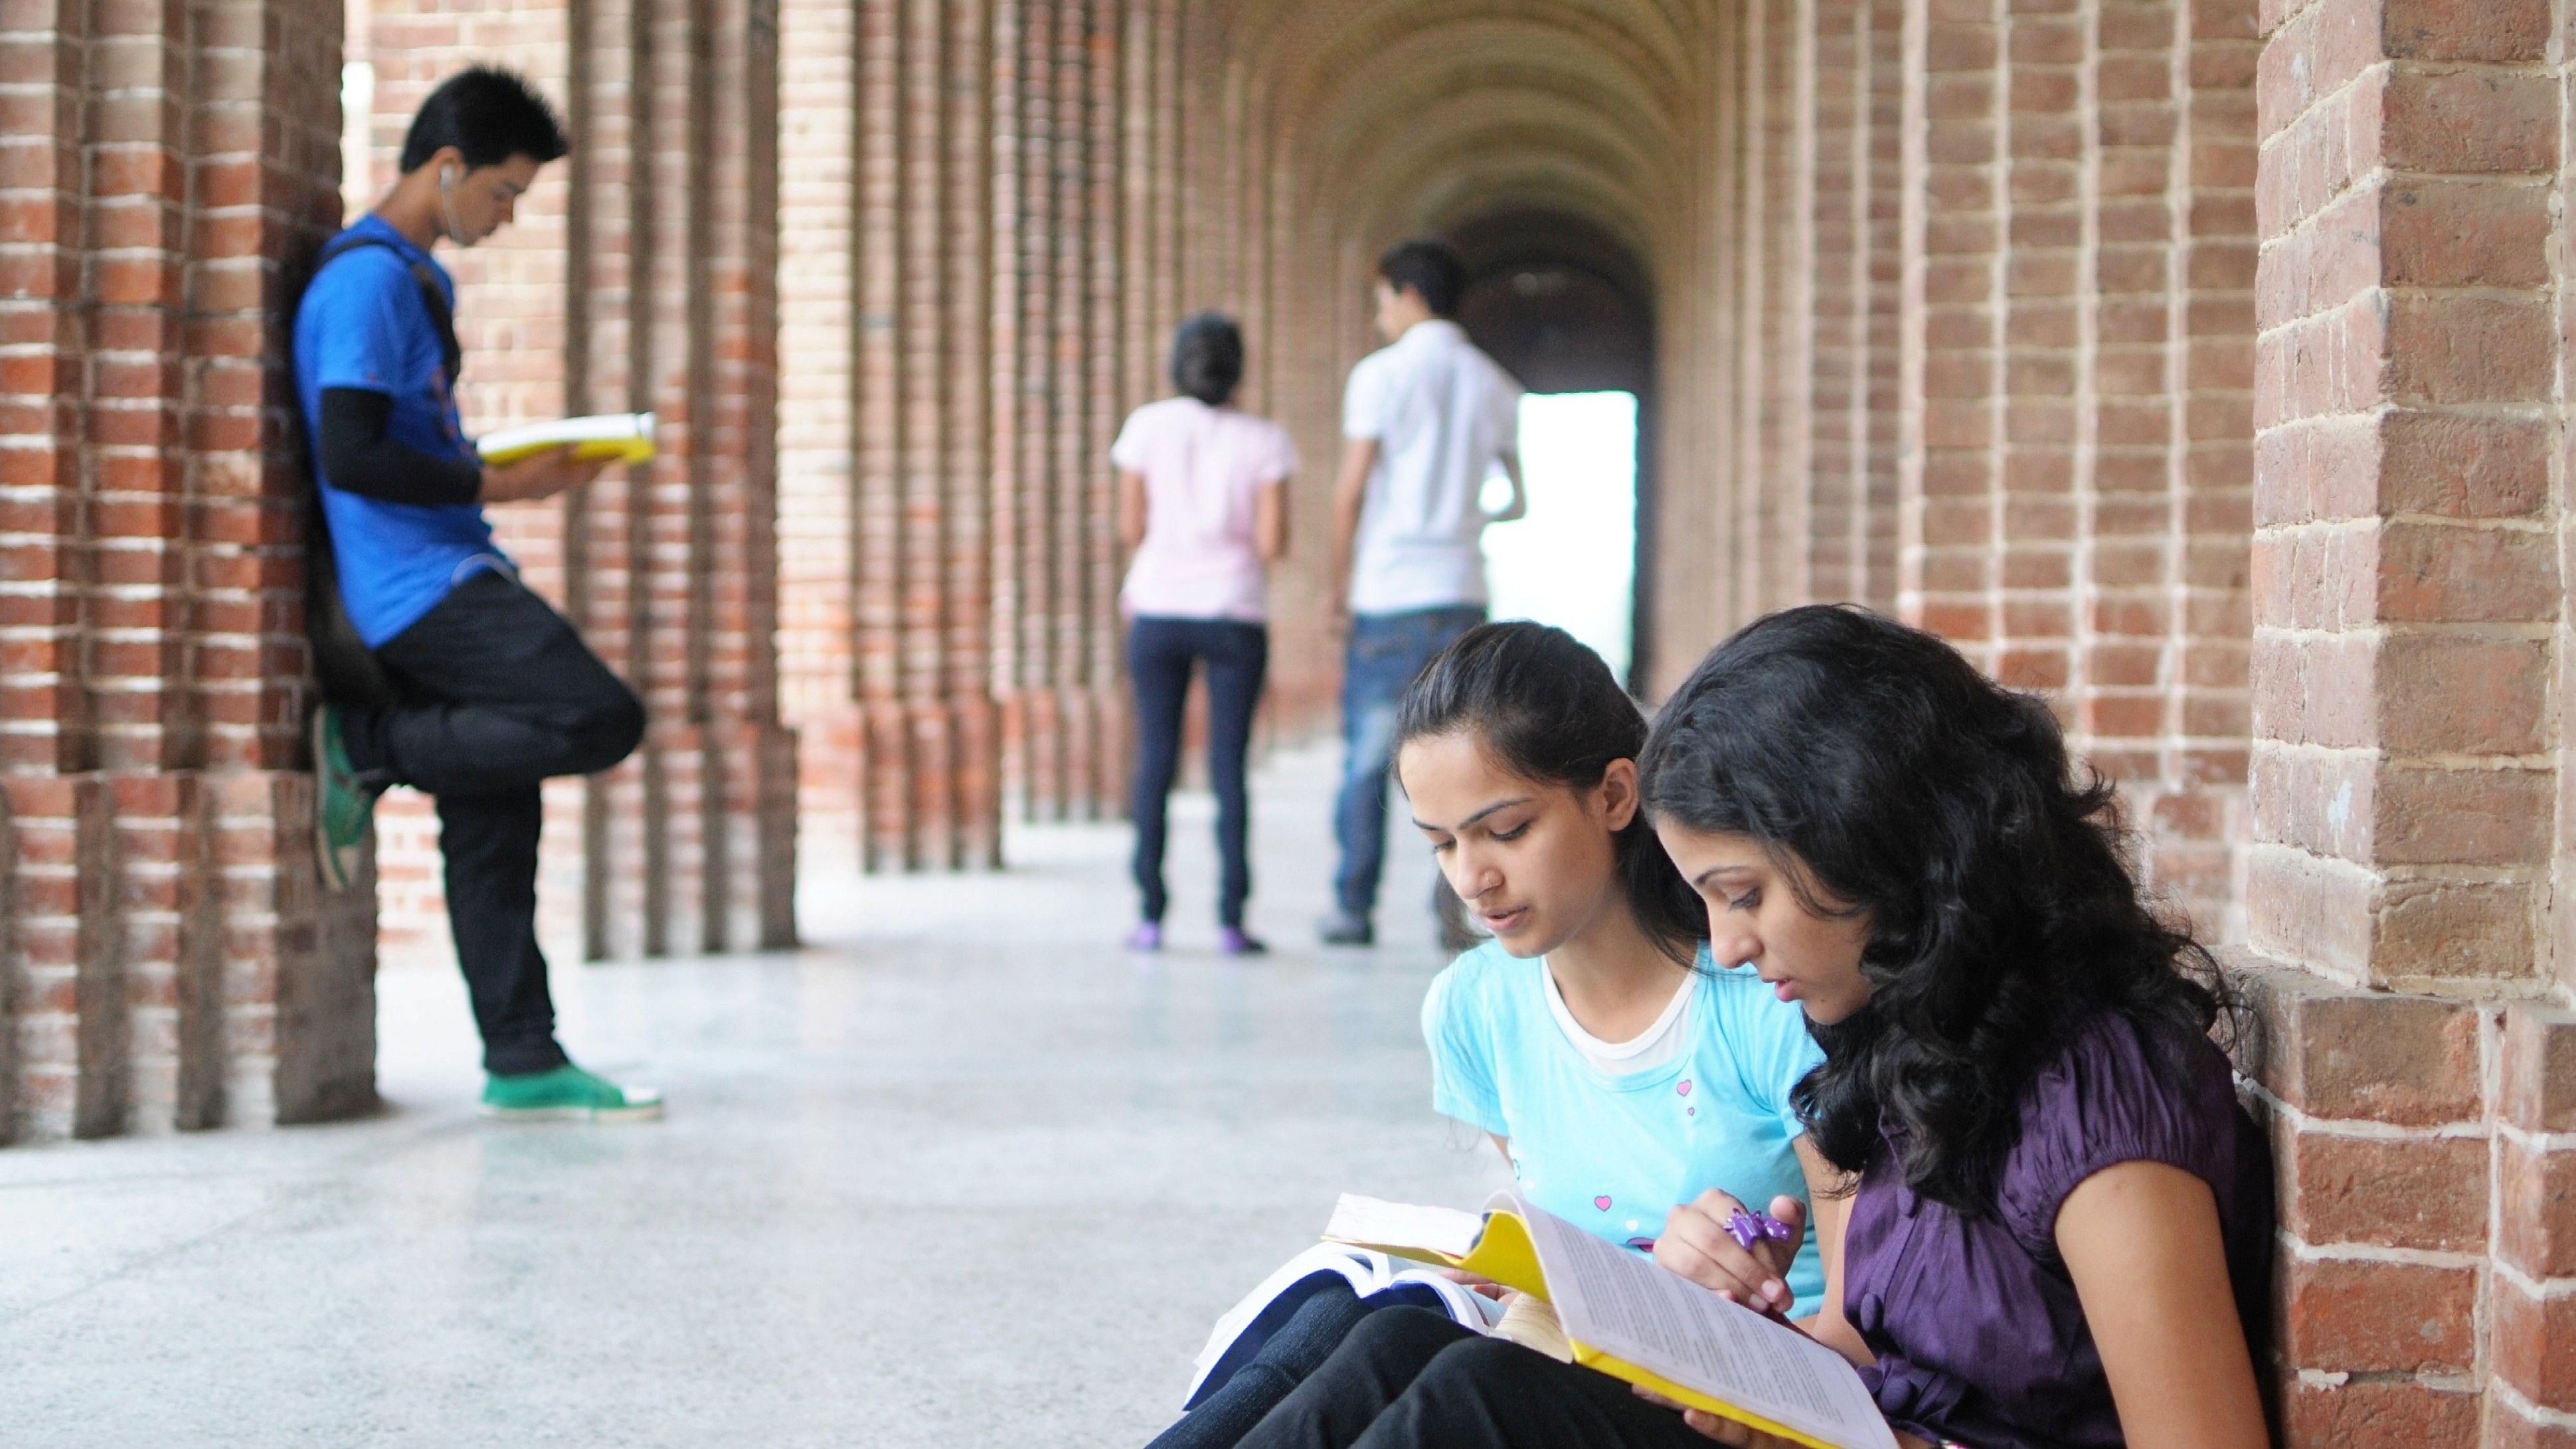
{"x":2110,"y":1099}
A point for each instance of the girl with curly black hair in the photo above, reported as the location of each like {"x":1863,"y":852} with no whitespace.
{"x":2057,"y":1223}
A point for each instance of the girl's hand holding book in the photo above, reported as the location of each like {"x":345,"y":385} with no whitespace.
{"x":1699,"y":1244}
{"x":1486,"y":1286}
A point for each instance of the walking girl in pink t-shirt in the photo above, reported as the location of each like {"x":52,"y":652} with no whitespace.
{"x":1202,"y":504}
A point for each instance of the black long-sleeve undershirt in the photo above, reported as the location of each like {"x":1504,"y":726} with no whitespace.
{"x":360,"y":456}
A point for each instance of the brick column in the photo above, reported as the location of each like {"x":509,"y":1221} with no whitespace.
{"x":169,"y":958}
{"x":1775,"y":567}
{"x":1851,"y":526}
{"x":2406,"y":589}
{"x":888,"y":602}
{"x":1684,"y":515}
{"x":2155,"y":695}
{"x":818,"y":141}
{"x":1951,"y":372}
{"x":1750,"y":259}
{"x":952,"y":606}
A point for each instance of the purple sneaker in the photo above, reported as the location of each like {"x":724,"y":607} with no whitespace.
{"x":1232,"y":941}
{"x":1148,"y":936}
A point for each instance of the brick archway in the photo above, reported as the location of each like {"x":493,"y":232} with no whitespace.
{"x":2204,"y":368}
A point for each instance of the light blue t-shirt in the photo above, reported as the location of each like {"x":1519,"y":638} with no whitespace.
{"x":363,"y":323}
{"x":1615,"y":1153}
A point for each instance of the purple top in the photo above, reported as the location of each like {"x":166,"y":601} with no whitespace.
{"x":1976,"y":1325}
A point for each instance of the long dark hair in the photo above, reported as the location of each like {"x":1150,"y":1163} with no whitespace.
{"x":1549,"y":711}
{"x":1886,"y":776}
{"x":1207,"y":357}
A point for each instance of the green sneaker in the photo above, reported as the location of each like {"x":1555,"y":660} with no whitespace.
{"x":566,"y":1094}
{"x":344,"y":809}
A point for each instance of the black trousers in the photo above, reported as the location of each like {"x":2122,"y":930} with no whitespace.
{"x":1408,"y":1378}
{"x":499,"y":694}
{"x":1160,"y":655}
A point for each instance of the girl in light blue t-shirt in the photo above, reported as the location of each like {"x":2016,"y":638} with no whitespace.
{"x":1618,"y":1069}
{"x":1621,"y":1073}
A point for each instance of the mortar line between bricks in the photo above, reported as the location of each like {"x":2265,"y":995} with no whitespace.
{"x":2536,"y":1141}
{"x":2361,"y":1128}
{"x":2307,"y":1252}
{"x":2363,"y":522}
{"x":2536,"y":1413}
{"x":2547,"y":1290}
{"x":2428,"y":1378}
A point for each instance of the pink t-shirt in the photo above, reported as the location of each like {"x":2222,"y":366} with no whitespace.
{"x":1203,"y":468}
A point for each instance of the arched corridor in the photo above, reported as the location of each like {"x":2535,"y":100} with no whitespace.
{"x":2201,"y":365}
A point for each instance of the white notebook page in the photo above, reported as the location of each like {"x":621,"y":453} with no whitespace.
{"x":1376,"y":1221}
{"x":1622,"y":1304}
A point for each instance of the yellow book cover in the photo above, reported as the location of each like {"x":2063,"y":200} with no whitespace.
{"x":624,"y":437}
{"x":1632,"y":1320}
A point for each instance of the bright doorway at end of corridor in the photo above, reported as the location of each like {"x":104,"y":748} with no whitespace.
{"x":1573,"y":561}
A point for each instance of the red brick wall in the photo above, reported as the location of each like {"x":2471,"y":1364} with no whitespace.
{"x":165,"y":174}
{"x":987,"y":251}
{"x":2407,"y":603}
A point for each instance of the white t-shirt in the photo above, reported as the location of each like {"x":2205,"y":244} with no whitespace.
{"x":1657,"y":1044}
{"x":1442,"y":413}
{"x":1204,"y":467}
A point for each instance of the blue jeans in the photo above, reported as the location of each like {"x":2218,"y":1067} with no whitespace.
{"x":1301,"y":1346}
{"x":1160,"y":655}
{"x":1386,"y":651}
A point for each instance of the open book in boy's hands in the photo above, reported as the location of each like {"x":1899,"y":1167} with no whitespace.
{"x":1635,"y":1321}
{"x":622,"y":437}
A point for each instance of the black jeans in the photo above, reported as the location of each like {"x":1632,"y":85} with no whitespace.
{"x":1409,"y":1378}
{"x":1160,"y":655}
{"x":499,"y":694}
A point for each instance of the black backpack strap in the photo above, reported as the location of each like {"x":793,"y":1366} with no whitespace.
{"x":451,"y":357}
{"x":347,"y":670}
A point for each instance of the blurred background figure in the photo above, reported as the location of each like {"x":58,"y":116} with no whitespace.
{"x":1202,"y":503}
{"x":1426,"y":420}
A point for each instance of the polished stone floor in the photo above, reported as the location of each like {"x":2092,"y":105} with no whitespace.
{"x":959,"y":1173}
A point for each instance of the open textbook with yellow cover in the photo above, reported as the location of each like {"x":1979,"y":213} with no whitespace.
{"x":1635,"y":1321}
{"x":625,"y":437}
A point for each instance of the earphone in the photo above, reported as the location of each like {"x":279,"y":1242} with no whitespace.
{"x":447,"y":204}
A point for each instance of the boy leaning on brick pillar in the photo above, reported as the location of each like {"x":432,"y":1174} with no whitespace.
{"x":443,"y":671}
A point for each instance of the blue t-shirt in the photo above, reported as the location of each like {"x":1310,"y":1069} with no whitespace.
{"x":1615,"y":1153}
{"x":363,"y":323}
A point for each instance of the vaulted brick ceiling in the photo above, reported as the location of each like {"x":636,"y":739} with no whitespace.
{"x":1391,"y":117}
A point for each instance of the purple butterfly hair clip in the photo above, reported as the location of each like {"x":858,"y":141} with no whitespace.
{"x":1748,"y":1228}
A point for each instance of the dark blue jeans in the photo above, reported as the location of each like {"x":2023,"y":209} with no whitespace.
{"x":1386,"y":651}
{"x":1299,"y":1348}
{"x":1160,"y":654}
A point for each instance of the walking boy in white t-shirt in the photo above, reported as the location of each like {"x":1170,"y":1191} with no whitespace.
{"x":1426,"y":419}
